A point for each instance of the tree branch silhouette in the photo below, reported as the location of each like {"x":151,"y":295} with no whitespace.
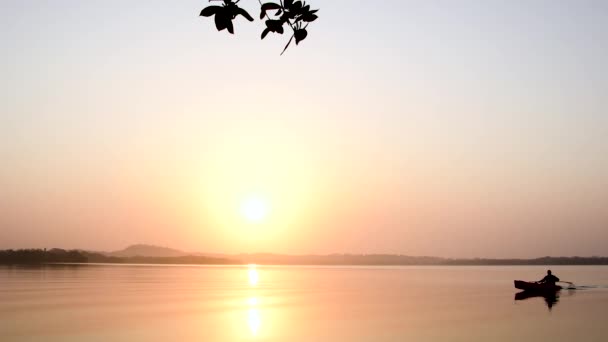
{"x":295,"y":14}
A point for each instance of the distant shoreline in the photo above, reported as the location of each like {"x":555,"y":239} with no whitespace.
{"x":60,"y":256}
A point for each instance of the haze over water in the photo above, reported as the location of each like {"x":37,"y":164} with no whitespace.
{"x":209,"y":303}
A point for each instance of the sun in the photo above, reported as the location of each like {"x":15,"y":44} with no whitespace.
{"x":255,"y":208}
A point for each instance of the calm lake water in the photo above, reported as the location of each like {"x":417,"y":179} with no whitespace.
{"x":265,"y":303}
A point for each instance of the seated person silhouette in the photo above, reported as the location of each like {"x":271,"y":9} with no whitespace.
{"x":549,"y":279}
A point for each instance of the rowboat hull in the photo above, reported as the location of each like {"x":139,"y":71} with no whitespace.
{"x":538,"y":287}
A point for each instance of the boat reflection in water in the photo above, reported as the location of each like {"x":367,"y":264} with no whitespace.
{"x":551,"y":297}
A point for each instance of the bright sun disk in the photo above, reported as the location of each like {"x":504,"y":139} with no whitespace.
{"x":255,"y":209}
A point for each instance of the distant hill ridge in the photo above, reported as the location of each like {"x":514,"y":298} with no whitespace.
{"x":149,"y":254}
{"x":143,"y":250}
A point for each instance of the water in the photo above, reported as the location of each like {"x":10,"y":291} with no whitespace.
{"x":207,"y":303}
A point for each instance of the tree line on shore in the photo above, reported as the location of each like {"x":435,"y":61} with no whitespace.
{"x":56,"y":255}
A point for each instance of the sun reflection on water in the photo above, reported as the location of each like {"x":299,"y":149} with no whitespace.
{"x":253,"y":275}
{"x":254,"y":319}
{"x":254,"y":316}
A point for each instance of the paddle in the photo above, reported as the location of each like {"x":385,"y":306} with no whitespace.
{"x":572,"y":286}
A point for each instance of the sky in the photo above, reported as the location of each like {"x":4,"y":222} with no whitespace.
{"x":445,"y":128}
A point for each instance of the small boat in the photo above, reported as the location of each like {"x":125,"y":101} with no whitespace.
{"x":534,"y":286}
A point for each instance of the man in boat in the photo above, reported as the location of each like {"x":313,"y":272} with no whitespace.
{"x":549,"y":279}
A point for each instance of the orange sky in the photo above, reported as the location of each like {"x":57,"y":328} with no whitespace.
{"x":448,"y":131}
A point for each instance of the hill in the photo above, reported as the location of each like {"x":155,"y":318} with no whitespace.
{"x":142,"y":250}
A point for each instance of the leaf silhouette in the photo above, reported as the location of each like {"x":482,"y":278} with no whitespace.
{"x":243,"y":13}
{"x":296,"y":6}
{"x":209,"y":11}
{"x":300,"y":35}
{"x":270,"y":6}
{"x":267,"y":7}
{"x":275,"y":25}
{"x":222,"y":20}
{"x":309,"y":17}
{"x":229,"y":26}
{"x":265,"y":32}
